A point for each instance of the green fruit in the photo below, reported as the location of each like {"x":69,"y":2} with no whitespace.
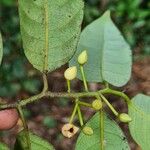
{"x":97,"y":104}
{"x":87,"y":130}
{"x":125,"y":118}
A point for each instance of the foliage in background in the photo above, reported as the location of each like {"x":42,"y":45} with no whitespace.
{"x":131,"y":16}
{"x":13,"y":69}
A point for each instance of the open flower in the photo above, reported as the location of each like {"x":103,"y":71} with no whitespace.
{"x":69,"y":130}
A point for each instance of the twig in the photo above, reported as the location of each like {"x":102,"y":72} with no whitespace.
{"x":50,"y":94}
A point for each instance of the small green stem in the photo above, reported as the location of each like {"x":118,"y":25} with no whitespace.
{"x":109,"y":105}
{"x":73,"y":113}
{"x":98,"y":97}
{"x":85,"y":104}
{"x":24,"y":125}
{"x":107,"y":85}
{"x":101,"y":129}
{"x":69,"y":86}
{"x":45,"y":82}
{"x":120,"y":94}
{"x":84,"y":78}
{"x":80,"y":116}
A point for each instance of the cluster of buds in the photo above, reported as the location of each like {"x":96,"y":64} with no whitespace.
{"x":71,"y":72}
{"x":69,"y":130}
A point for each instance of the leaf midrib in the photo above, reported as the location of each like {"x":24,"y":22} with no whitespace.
{"x":46,"y":18}
{"x":102,"y":55}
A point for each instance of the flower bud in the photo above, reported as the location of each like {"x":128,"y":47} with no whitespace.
{"x":69,"y":130}
{"x":82,"y":58}
{"x":70,"y":73}
{"x":97,"y":104}
{"x":125,"y":118}
{"x":87,"y":130}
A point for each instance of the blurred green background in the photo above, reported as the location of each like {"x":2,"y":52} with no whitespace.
{"x":16,"y":74}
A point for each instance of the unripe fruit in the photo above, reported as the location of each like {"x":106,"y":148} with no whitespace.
{"x":125,"y":118}
{"x":97,"y":104}
{"x":87,"y":130}
{"x":8,"y":119}
{"x":70,"y":73}
{"x":82,"y":59}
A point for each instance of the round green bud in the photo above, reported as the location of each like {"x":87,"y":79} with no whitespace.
{"x":82,"y":59}
{"x":125,"y":118}
{"x":87,"y":130}
{"x":97,"y":104}
{"x":70,"y":73}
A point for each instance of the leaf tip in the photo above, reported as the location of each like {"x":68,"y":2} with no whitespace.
{"x":107,"y":14}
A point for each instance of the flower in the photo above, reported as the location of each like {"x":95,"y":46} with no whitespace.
{"x":125,"y":118}
{"x":69,"y":130}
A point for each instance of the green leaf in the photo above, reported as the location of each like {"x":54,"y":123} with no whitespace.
{"x":109,"y":56}
{"x":1,"y":48}
{"x":37,"y":143}
{"x":3,"y":147}
{"x":50,"y":31}
{"x":114,"y":138}
{"x":139,"y":111}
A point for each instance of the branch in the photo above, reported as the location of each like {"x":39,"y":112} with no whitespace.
{"x":50,"y":94}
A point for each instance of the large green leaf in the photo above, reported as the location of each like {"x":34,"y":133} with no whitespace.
{"x":139,"y":110}
{"x":109,"y":56}
{"x":114,"y":138}
{"x":3,"y":147}
{"x":50,"y":30}
{"x":1,"y":48}
{"x":37,"y":143}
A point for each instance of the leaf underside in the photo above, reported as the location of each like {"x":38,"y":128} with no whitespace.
{"x":37,"y":143}
{"x":139,"y":110}
{"x":50,"y":30}
{"x":109,"y":56}
{"x":114,"y":138}
{"x":1,"y":48}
